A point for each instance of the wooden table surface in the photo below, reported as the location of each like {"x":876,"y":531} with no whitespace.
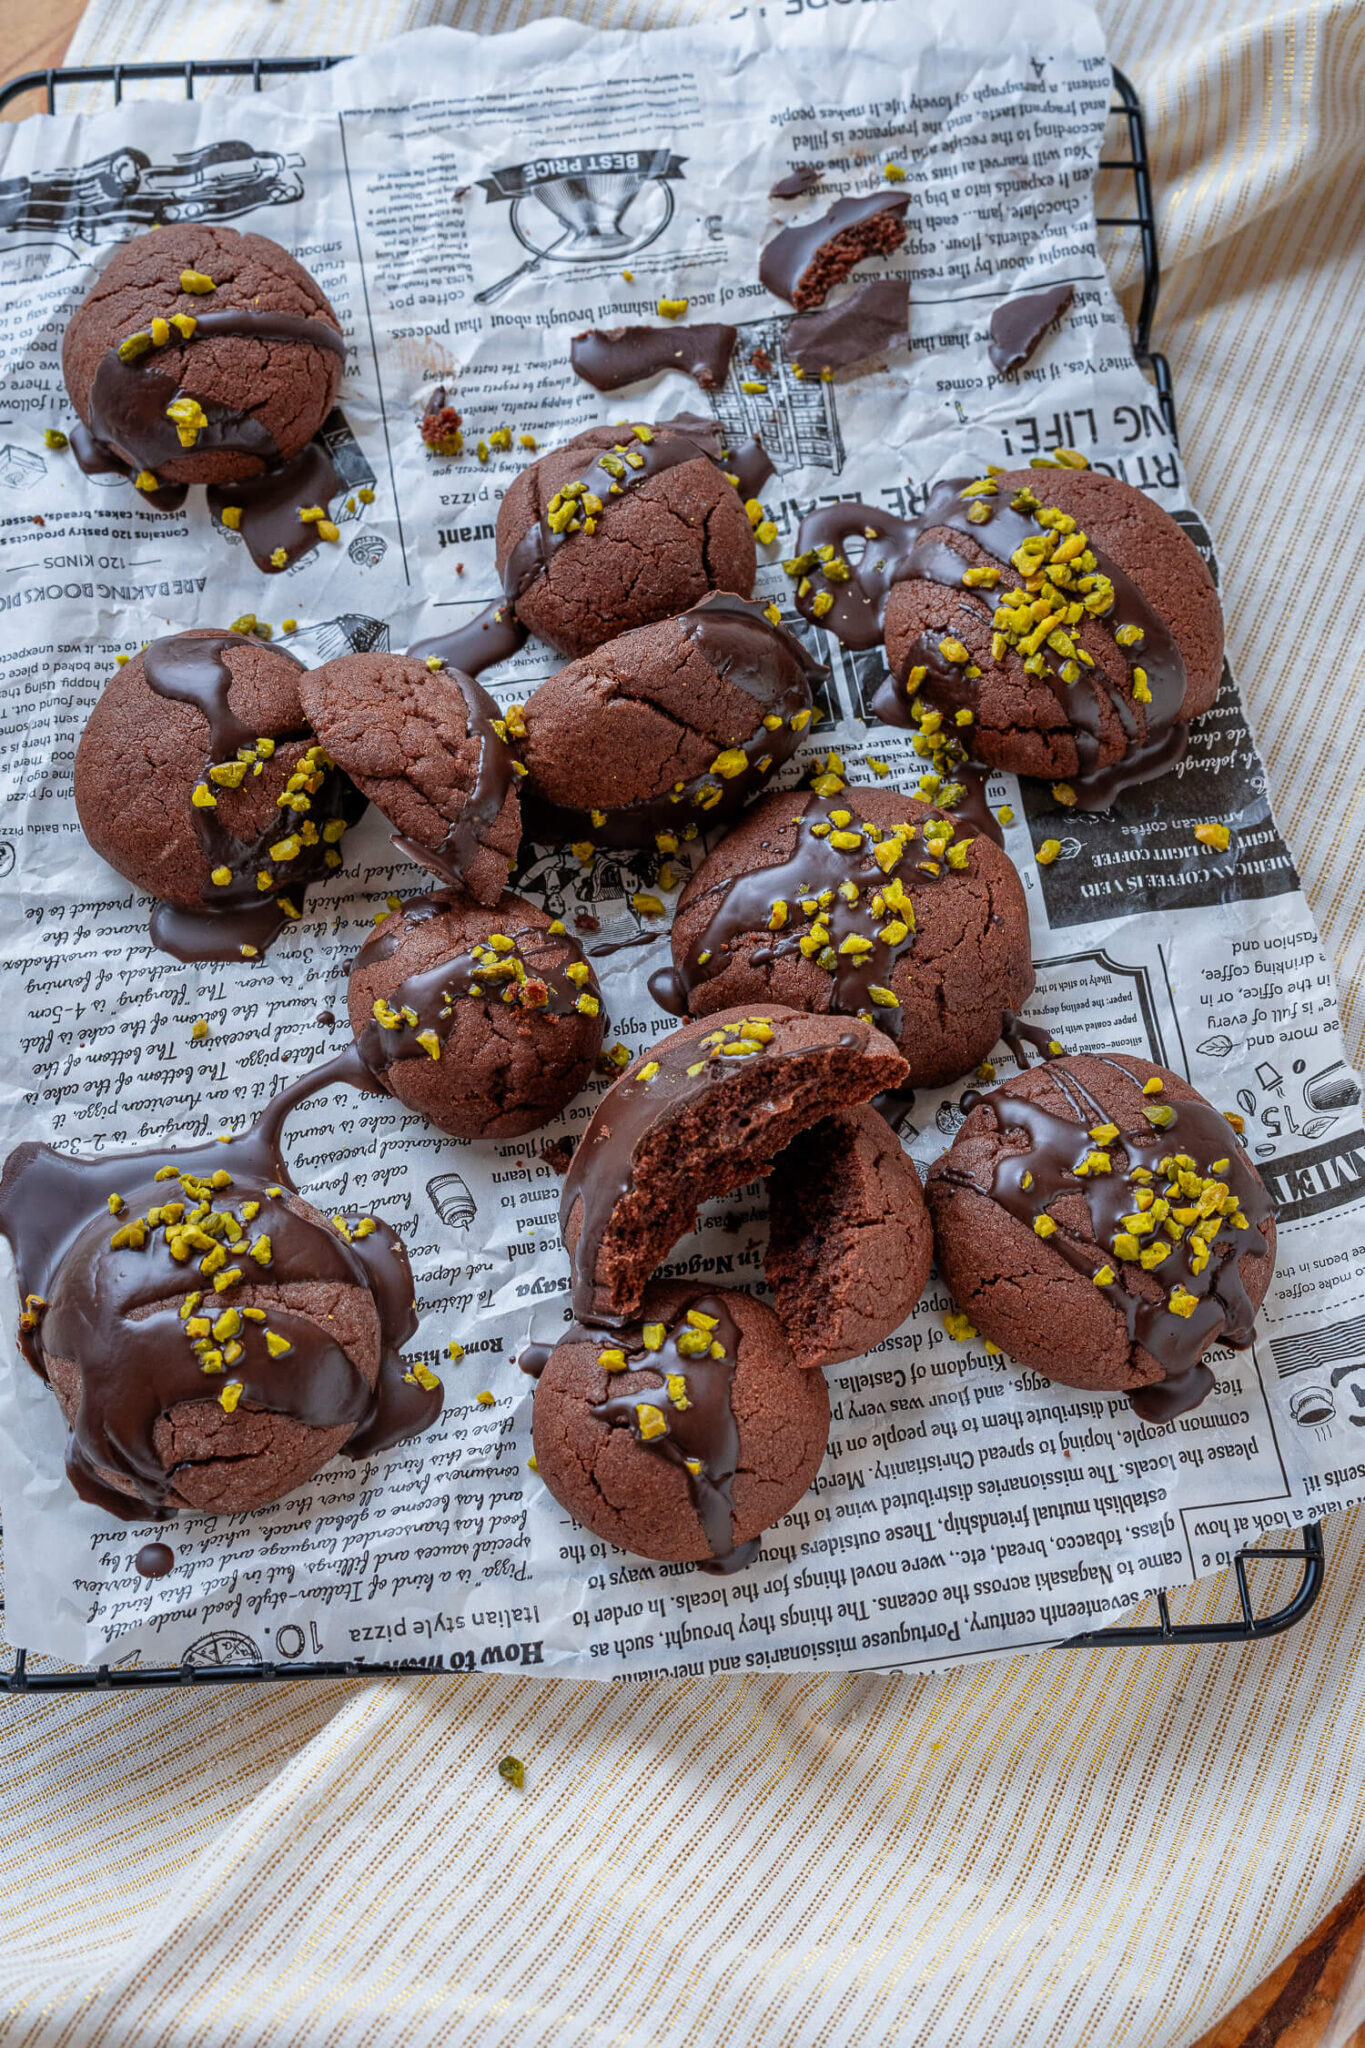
{"x":1294,"y":2007}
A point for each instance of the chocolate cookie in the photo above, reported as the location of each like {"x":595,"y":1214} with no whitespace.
{"x":863,"y":903}
{"x":849,"y":1241}
{"x":622,"y":526}
{"x":182,"y":1391}
{"x":685,"y":1435}
{"x":1097,"y":692}
{"x":705,"y":1109}
{"x":668,"y":729}
{"x":486,"y":1020}
{"x":1098,"y":1220}
{"x":198,"y":778}
{"x":202,"y":356}
{"x":428,"y":747}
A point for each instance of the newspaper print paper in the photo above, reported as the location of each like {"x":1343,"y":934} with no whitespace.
{"x":435,"y":188}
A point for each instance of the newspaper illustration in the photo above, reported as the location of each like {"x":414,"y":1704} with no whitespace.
{"x":965,"y":1507}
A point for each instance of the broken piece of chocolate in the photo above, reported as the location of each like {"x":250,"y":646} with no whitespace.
{"x":610,"y":357}
{"x":803,"y":264}
{"x":800,"y":179}
{"x":873,"y":319}
{"x":1019,"y":325}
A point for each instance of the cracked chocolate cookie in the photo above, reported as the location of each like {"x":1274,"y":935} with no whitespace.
{"x":702,"y":1111}
{"x":198,"y":778}
{"x":622,"y":526}
{"x":849,"y":1241}
{"x":427,"y":746}
{"x":487,"y":1020}
{"x":1060,"y":615}
{"x":685,"y":1435}
{"x":1098,"y":1220}
{"x":201,"y":356}
{"x":668,"y":729}
{"x":862,"y":903}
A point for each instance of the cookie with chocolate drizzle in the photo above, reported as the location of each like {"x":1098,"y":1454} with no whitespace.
{"x":486,"y":1020}
{"x":1058,"y":617}
{"x":211,"y":1337}
{"x":667,"y":730}
{"x":621,"y":526}
{"x":684,"y":1435}
{"x":199,"y":779}
{"x":702,"y":1111}
{"x":199,"y":356}
{"x":426,"y":744}
{"x":1097,"y":1219}
{"x":860,"y":902}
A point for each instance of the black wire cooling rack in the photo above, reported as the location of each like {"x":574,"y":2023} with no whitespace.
{"x":215,"y":1665}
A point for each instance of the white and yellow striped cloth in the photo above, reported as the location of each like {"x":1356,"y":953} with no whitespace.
{"x":1099,"y":1848}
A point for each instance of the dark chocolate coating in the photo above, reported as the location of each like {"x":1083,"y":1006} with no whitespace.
{"x":803,"y":263}
{"x":1036,"y":1295}
{"x":662,"y":732}
{"x":849,"y":1240}
{"x":699,"y":1113}
{"x":266,"y":379}
{"x":1019,"y":325}
{"x":755,"y":1426}
{"x":867,"y":323}
{"x":320,"y":1308}
{"x":425,"y":746}
{"x":609,"y":358}
{"x":964,"y":965}
{"x":511,"y":1050}
{"x":182,"y":706}
{"x":677,"y":529}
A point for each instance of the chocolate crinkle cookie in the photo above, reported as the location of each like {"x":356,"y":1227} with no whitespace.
{"x":865,"y":902}
{"x":1065,"y":617}
{"x":849,"y":1240}
{"x":198,"y":778}
{"x":705,"y":1109}
{"x":182,"y":1393}
{"x":684,"y":1435}
{"x":1098,"y":1220}
{"x":486,"y":1019}
{"x":667,"y":730}
{"x":202,"y":356}
{"x":428,"y":747}
{"x":622,"y":526}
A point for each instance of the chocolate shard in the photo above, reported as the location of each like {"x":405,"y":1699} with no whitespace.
{"x":874,"y":318}
{"x":803,"y":264}
{"x":1019,"y":325}
{"x":610,"y":357}
{"x":800,"y":179}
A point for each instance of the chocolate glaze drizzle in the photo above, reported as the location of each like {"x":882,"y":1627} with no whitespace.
{"x":269,"y":505}
{"x":838,"y":237}
{"x":1222,"y":1311}
{"x":773,"y":668}
{"x":492,"y":635}
{"x":610,"y":357}
{"x":702,"y":1428}
{"x":114,"y":1310}
{"x":610,"y":472}
{"x":1019,"y":325}
{"x":189,"y":668}
{"x":900,"y":550}
{"x":532,"y":975}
